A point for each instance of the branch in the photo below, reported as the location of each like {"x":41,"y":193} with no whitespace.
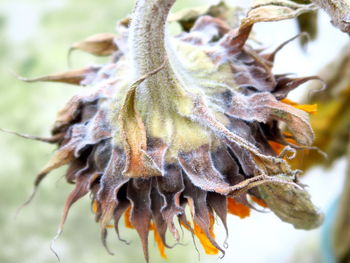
{"x":339,"y":11}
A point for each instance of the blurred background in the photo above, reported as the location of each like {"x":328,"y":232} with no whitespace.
{"x":35,"y":37}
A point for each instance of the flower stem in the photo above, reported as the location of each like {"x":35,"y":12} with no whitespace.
{"x":147,"y":33}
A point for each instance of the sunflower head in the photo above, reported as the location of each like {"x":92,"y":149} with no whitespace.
{"x":186,"y":123}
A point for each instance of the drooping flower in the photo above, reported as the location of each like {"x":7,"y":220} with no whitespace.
{"x":186,"y":121}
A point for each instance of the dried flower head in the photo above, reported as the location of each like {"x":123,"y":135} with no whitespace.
{"x":186,"y":121}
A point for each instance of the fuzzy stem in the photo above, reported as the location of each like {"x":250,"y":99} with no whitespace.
{"x":148,"y":51}
{"x":339,"y":11}
{"x":146,"y":39}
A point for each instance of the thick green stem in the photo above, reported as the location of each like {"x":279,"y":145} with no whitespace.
{"x":146,"y":38}
{"x":148,"y":51}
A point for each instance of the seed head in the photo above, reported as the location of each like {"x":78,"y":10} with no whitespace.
{"x":191,"y":121}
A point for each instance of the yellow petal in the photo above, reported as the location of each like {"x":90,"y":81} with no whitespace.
{"x":309,"y":108}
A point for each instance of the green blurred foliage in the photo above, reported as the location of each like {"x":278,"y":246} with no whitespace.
{"x":35,"y":37}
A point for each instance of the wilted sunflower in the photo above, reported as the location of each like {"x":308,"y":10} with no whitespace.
{"x":187,"y":121}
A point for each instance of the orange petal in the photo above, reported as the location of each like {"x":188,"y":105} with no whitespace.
{"x":94,"y":206}
{"x":258,"y":201}
{"x":158,"y":240}
{"x":309,"y":108}
{"x":186,"y":226}
{"x":127,"y":221}
{"x":211,"y":228}
{"x":237,"y":209}
{"x":207,"y":245}
{"x":160,"y":244}
{"x":277,"y":147}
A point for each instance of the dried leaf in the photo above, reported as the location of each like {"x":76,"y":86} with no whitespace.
{"x":74,"y":77}
{"x":133,"y":133}
{"x":263,"y":107}
{"x":292,"y":205}
{"x":100,"y":44}
{"x":138,"y":162}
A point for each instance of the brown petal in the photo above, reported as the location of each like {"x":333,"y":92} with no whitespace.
{"x":102,"y":155}
{"x":198,"y":199}
{"x":82,"y":187}
{"x":61,"y":157}
{"x":111,"y":181}
{"x":76,"y":166}
{"x":200,"y":170}
{"x":53,"y":139}
{"x":218,"y":203}
{"x":71,"y":111}
{"x":202,"y":115}
{"x":170,"y":186}
{"x":118,"y":212}
{"x":156,"y":150}
{"x":138,"y":193}
{"x":285,"y":85}
{"x":97,"y":129}
{"x":227,"y":166}
{"x":156,"y":206}
{"x":104,"y":234}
